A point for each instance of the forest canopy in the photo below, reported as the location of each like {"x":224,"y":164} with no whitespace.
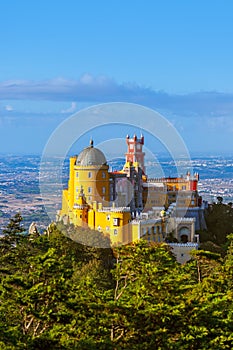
{"x":58,"y":294}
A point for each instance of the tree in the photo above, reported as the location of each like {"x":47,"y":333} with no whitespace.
{"x":144,"y":315}
{"x":205,"y":261}
{"x":58,"y":294}
{"x":14,"y":226}
{"x":219,"y":199}
{"x":52,"y":298}
{"x":219,"y":221}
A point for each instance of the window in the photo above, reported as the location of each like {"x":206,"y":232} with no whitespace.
{"x":77,"y":174}
{"x":76,"y":189}
{"x":89,"y":189}
{"x":107,"y":228}
{"x":116,"y":222}
{"x":89,"y":174}
{"x":103,"y":175}
{"x":103,"y":189}
{"x":115,"y":232}
{"x":89,"y":198}
{"x":108,"y":217}
{"x":184,"y":187}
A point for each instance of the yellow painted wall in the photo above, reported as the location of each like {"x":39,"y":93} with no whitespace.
{"x":94,"y":181}
{"x":135,"y":231}
{"x":80,"y":217}
{"x":115,"y":224}
{"x":149,"y":232}
{"x":172,"y":188}
{"x":65,"y":204}
{"x":71,"y":182}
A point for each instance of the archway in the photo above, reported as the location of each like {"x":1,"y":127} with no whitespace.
{"x":184,"y":234}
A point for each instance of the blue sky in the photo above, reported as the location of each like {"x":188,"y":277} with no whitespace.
{"x":60,"y":56}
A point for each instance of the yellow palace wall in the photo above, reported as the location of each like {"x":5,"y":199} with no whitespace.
{"x":95,"y":182}
{"x":113,"y":223}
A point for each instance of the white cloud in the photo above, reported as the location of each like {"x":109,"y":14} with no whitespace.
{"x":9,"y":108}
{"x":102,"y":89}
{"x":87,"y":79}
{"x":71,"y":109}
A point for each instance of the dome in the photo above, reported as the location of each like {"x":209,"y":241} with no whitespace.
{"x":91,"y":156}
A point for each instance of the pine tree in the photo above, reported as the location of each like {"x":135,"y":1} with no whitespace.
{"x":14,"y":226}
{"x":11,"y":233}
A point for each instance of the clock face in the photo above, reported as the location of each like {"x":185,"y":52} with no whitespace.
{"x":138,"y":147}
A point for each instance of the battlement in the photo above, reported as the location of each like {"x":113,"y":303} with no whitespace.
{"x":185,"y":245}
{"x":173,"y":179}
{"x":114,"y":209}
{"x":184,"y":220}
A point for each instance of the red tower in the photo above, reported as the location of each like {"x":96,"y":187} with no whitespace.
{"x":134,"y":152}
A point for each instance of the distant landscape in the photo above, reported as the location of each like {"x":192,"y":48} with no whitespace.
{"x":20,"y":192}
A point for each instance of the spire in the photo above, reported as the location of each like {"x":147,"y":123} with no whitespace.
{"x":91,"y":142}
{"x":142,"y":139}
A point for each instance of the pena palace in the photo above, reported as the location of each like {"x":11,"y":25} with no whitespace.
{"x":127,"y":206}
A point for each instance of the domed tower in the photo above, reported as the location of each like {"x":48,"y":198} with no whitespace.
{"x":89,"y":171}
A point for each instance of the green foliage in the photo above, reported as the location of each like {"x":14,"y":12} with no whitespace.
{"x":56,"y":293}
{"x":14,"y":226}
{"x":212,"y":247}
{"x":12,"y":233}
{"x":219,"y":220}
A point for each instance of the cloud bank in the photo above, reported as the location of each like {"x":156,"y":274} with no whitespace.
{"x":103,"y":89}
{"x":71,"y":109}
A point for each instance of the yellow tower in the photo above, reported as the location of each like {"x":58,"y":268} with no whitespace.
{"x":80,"y":212}
{"x":91,"y":172}
{"x":89,"y":176}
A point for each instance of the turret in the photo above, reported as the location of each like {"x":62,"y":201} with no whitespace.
{"x":134,"y":154}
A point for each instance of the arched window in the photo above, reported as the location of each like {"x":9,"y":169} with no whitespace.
{"x":184,"y":234}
